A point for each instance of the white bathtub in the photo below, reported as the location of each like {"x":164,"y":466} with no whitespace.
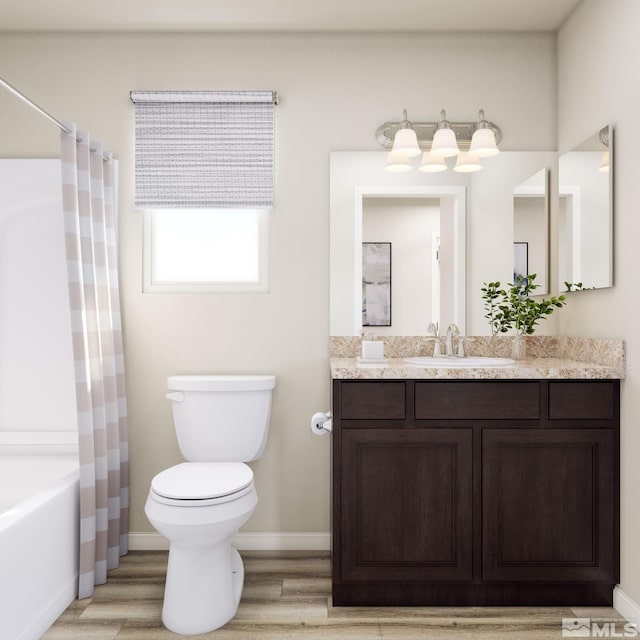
{"x":39,"y":519}
{"x":39,"y":531}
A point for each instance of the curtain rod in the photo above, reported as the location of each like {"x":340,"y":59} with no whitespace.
{"x":33,"y":105}
{"x":41,"y":111}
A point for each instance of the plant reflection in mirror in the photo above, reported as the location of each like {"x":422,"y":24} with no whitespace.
{"x":513,"y":308}
{"x":576,"y":286}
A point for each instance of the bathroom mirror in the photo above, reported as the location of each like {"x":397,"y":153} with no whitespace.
{"x":369,"y":205}
{"x":531,"y":229}
{"x":448,"y":233}
{"x":585,"y":214}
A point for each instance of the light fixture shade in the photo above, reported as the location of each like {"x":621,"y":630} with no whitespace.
{"x":483,"y":143}
{"x":431,"y":163}
{"x":445,"y":144}
{"x":397,"y":163}
{"x":604,"y":163}
{"x":467,"y":163}
{"x":406,"y":143}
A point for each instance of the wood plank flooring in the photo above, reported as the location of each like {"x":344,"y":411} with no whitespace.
{"x":288,"y":595}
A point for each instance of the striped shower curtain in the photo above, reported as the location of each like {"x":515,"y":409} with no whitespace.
{"x":90,"y":219}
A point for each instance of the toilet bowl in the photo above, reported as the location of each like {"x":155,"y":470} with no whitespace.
{"x":221,"y":422}
{"x":207,"y":503}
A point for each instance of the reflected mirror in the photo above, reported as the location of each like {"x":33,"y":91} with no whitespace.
{"x":530,"y":230}
{"x":415,"y":230}
{"x":585,"y":215}
{"x":443,"y":235}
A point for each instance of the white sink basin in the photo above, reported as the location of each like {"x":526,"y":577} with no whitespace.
{"x":455,"y":362}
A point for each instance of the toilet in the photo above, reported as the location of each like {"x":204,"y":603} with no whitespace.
{"x":221,"y":422}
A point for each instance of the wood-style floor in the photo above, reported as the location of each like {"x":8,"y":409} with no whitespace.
{"x":289,"y":596}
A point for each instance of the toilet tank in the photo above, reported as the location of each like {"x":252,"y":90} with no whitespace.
{"x":221,"y":417}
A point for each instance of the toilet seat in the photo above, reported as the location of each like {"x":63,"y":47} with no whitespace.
{"x":196,"y":484}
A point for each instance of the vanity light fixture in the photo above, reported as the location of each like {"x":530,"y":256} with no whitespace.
{"x":467,"y":163}
{"x":397,"y":163}
{"x":483,"y":141}
{"x":604,"y":163}
{"x":431,"y":163}
{"x":444,"y":143}
{"x":439,"y":140}
{"x":405,"y":142}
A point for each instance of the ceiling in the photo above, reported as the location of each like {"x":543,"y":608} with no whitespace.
{"x":284,"y":15}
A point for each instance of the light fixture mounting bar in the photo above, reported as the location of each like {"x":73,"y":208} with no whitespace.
{"x":424,"y":131}
{"x":603,"y":134}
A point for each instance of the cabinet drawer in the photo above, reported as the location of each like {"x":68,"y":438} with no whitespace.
{"x":372,"y":401}
{"x":493,"y":400}
{"x":583,"y":400}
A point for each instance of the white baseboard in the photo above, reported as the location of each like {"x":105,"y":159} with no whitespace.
{"x":626,"y":607}
{"x":147,"y":542}
{"x":318,"y":541}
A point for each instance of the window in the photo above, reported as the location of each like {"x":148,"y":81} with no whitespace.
{"x":204,"y":177}
{"x":221,"y":250}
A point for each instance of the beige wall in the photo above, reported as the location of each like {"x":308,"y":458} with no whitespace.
{"x":598,"y":50}
{"x":334,"y":92}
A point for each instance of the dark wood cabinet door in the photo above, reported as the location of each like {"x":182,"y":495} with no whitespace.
{"x":406,"y":504}
{"x":549,"y":505}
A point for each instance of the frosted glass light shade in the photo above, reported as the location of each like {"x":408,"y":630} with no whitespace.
{"x":483,"y":144}
{"x":431,"y":163}
{"x":406,"y":143}
{"x":467,"y":163}
{"x":445,"y":144}
{"x":397,"y":163}
{"x":604,"y":163}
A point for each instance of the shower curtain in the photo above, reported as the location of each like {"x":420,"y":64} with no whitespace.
{"x":90,"y":218}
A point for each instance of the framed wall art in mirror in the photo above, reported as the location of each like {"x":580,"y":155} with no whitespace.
{"x":376,"y":284}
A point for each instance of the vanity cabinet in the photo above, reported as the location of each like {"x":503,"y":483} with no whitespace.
{"x":473,"y":492}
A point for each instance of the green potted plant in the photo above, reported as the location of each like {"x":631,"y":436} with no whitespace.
{"x":514,"y":308}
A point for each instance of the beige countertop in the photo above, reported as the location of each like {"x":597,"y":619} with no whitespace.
{"x":553,"y":357}
{"x":535,"y":368}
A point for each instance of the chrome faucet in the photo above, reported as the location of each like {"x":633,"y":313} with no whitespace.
{"x":452,"y":330}
{"x":433,"y":329}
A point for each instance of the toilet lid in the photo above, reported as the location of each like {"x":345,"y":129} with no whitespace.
{"x":202,"y":480}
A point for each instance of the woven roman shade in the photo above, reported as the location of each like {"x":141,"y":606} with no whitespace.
{"x":204,"y":149}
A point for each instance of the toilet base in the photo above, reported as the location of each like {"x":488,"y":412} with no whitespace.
{"x":203,"y":588}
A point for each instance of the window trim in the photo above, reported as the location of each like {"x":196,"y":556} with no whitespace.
{"x":259,"y":286}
